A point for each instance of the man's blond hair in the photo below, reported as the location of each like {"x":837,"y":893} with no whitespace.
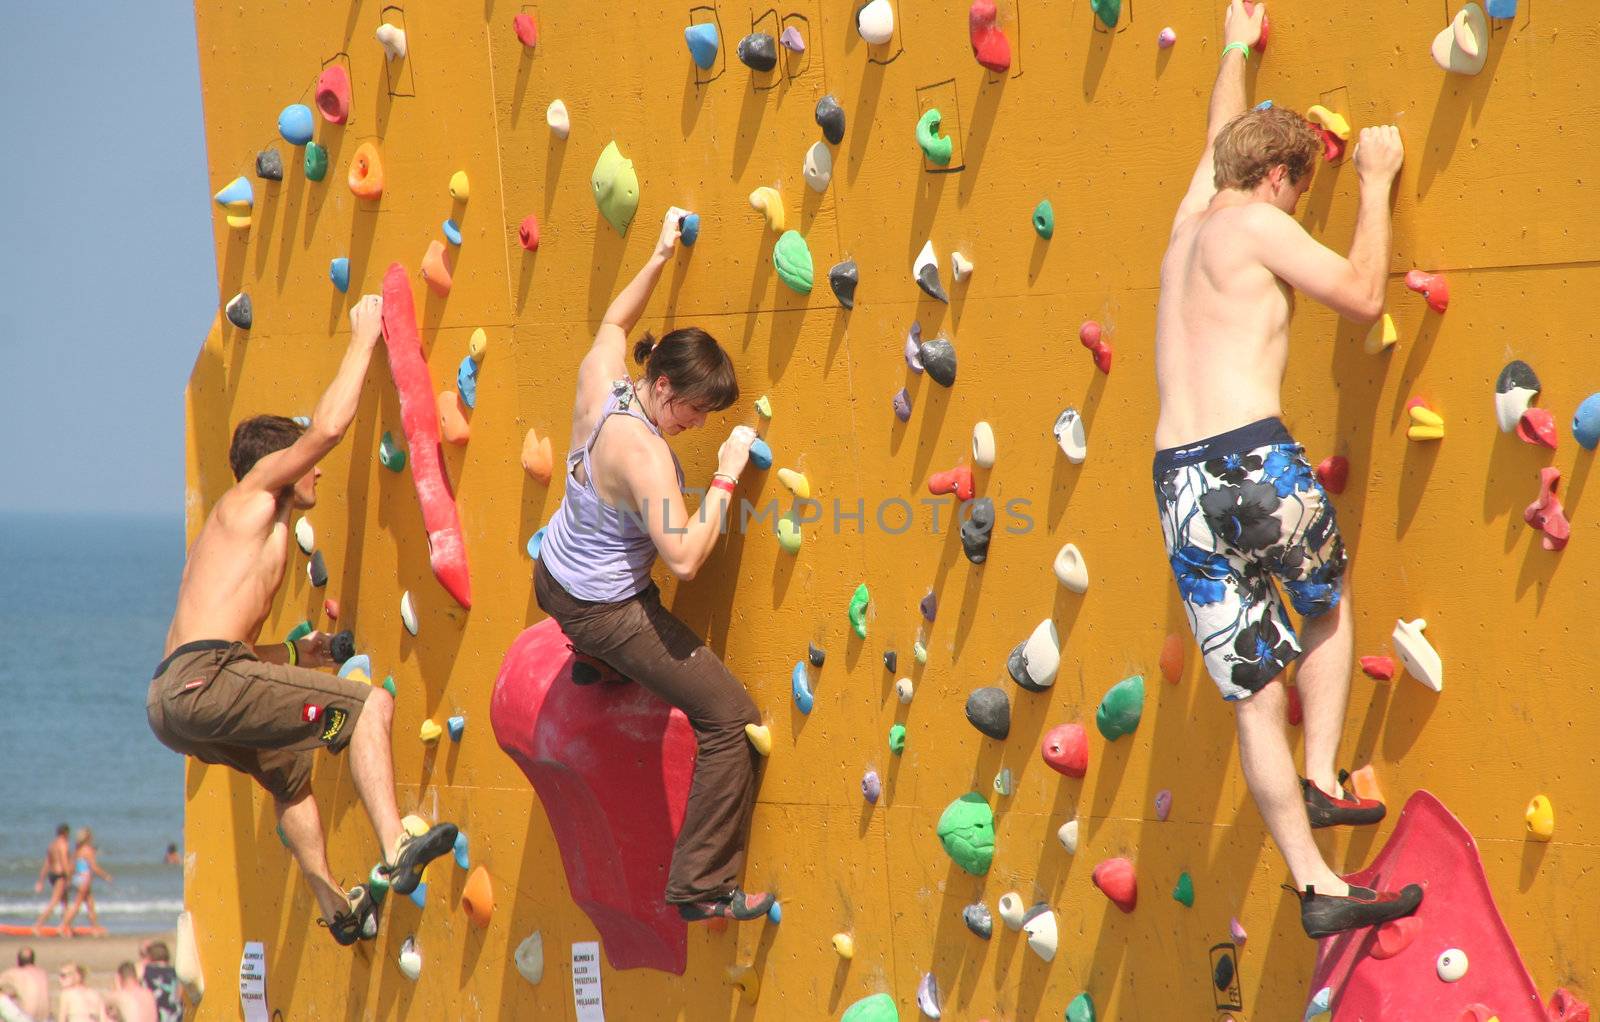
{"x":1250,"y":145}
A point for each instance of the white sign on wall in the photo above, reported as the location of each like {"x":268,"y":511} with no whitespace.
{"x":253,"y":982}
{"x":586,"y":995}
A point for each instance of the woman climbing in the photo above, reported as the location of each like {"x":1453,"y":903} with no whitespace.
{"x":623,"y":508}
{"x":85,"y":867}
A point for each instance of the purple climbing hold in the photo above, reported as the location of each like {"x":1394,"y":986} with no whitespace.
{"x":816,"y":654}
{"x":929,"y":605}
{"x":791,"y":40}
{"x":890,"y":660}
{"x":928,"y":996}
{"x":871,"y":787}
{"x":1163,"y":804}
{"x":914,"y":348}
{"x":902,"y":405}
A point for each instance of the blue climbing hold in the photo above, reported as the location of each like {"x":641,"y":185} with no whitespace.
{"x":462,"y":859}
{"x":360,"y":662}
{"x":303,"y":421}
{"x":775,"y":913}
{"x":420,"y":896}
{"x":467,"y":381}
{"x":1265,"y":104}
{"x":1502,"y":8}
{"x":702,"y":40}
{"x":295,"y":124}
{"x":452,"y":232}
{"x":339,"y":273}
{"x":800,"y":683}
{"x":236,"y":193}
{"x":760,"y":454}
{"x":456,"y":725}
{"x":1586,"y":423}
{"x":534,"y":543}
{"x":689,"y":228}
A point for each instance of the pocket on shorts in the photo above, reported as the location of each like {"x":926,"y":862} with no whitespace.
{"x":196,"y":707}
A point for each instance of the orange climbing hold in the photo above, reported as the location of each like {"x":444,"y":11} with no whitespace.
{"x":453,"y":418}
{"x":1117,"y":881}
{"x":477,"y":898}
{"x":527,"y":29}
{"x":1431,"y":286}
{"x":366,"y":173}
{"x":436,"y":268}
{"x":1172,"y":658}
{"x":957,"y":481}
{"x":537,"y":458}
{"x":1378,"y":668}
{"x":1365,"y":783}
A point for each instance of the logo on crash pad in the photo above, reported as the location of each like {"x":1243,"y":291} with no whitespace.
{"x":310,"y":712}
{"x":334,"y":723}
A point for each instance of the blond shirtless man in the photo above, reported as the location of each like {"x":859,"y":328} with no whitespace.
{"x":129,"y":1000}
{"x":1240,"y":505}
{"x":78,"y":1002}
{"x":262,"y":709}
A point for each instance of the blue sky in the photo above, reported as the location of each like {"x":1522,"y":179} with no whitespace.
{"x":107,"y":275}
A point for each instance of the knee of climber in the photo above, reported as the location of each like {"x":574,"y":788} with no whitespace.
{"x":379,"y":710}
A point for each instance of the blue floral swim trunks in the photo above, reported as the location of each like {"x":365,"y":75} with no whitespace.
{"x":1238,"y":511}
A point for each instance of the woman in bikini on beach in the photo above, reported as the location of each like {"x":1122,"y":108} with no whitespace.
{"x":85,"y":867}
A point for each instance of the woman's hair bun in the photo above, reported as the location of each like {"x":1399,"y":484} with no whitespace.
{"x":643,"y":346}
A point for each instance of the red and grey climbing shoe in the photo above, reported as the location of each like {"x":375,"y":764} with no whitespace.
{"x":1327,"y":810}
{"x":738,"y":906}
{"x":1323,"y":915}
{"x":358,"y":921}
{"x":415,"y":853}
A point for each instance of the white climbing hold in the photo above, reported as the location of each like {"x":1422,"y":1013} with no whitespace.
{"x":875,"y":22}
{"x":818,"y":168}
{"x":1071,"y":437}
{"x":556,"y":116}
{"x":1417,"y":654}
{"x":1041,"y":930}
{"x":410,"y":959}
{"x":186,"y":962}
{"x":304,"y":535}
{"x":1462,"y":46}
{"x":925,"y":271}
{"x":960,"y":266}
{"x":1068,"y":836}
{"x":408,"y":612}
{"x":904,"y":689}
{"x":1011,"y":910}
{"x":1042,"y":654}
{"x":928,"y":996}
{"x":1320,"y":1006}
{"x":1452,"y":964}
{"x":983,"y":452}
{"x":393,"y":38}
{"x":1071,"y":571}
{"x":530,"y":957}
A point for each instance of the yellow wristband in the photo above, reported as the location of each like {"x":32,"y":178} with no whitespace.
{"x":1244,"y":47}
{"x":294,"y":653}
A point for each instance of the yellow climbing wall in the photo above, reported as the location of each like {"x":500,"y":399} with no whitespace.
{"x":1498,"y":191}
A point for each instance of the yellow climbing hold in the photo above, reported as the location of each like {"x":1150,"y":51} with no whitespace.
{"x":460,"y":187}
{"x":797,"y":482}
{"x":1382,"y":335}
{"x":430,"y":731}
{"x":767,"y":200}
{"x":1335,"y":123}
{"x":1426,"y":424}
{"x":760,"y":736}
{"x":747,"y":980}
{"x":478,"y":345}
{"x":844,"y":946}
{"x":1541,"y":818}
{"x":764,"y":407}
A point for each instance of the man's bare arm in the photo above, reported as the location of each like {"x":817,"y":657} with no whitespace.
{"x":1228,"y":100}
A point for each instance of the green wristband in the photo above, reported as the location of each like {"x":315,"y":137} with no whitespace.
{"x":1245,"y":47}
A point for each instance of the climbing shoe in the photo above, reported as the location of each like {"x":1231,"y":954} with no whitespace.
{"x":737,"y":906}
{"x":1323,"y":915}
{"x":359,"y":921}
{"x":415,"y":853}
{"x":1327,"y":810}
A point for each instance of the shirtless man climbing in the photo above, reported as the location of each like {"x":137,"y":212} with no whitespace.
{"x":1240,"y":505}
{"x":261,"y":709}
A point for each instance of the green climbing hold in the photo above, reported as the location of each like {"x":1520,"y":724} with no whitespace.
{"x":388,"y":686}
{"x":966,"y":829}
{"x":897,"y":739}
{"x":1121,"y":708}
{"x":316,"y":162}
{"x":284,"y":838}
{"x":936,"y":147}
{"x":919,"y":652}
{"x":1184,"y":892}
{"x":1108,"y":11}
{"x":858,"y":609}
{"x":616,"y":187}
{"x":390,"y":454}
{"x":1044,"y":219}
{"x":1081,"y":1009}
{"x":299,"y":631}
{"x":378,"y":883}
{"x":792,"y":259}
{"x":877,"y":1008}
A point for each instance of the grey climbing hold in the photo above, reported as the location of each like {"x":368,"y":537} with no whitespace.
{"x":1034,"y":662}
{"x":976,"y":529}
{"x":928,"y":996}
{"x":978,"y":919}
{"x":939,"y":359}
{"x":317,"y":570}
{"x":342,"y":646}
{"x":902,"y":405}
{"x":269,"y":165}
{"x":830,"y":117}
{"x":1514,"y":391}
{"x":989,"y":710}
{"x":238,"y":311}
{"x":816,"y":654}
{"x":925,"y":268}
{"x":890,"y":660}
{"x":758,"y":51}
{"x":929,"y":606}
{"x":843,"y":278}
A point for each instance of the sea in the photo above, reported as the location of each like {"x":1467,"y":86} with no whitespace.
{"x":85,"y":601}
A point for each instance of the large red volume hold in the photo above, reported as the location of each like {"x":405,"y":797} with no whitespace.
{"x":419,"y":416}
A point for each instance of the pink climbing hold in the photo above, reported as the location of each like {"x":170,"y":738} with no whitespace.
{"x":527,"y":29}
{"x":989,"y":44}
{"x":1395,"y":936}
{"x":612,"y":765}
{"x":1431,"y":286}
{"x":1538,"y":427}
{"x":1116,"y":880}
{"x":1564,"y":1007}
{"x":1091,"y":336}
{"x":528,"y":233}
{"x":1546,"y":513}
{"x":1066,"y":749}
{"x":1378,"y":668}
{"x":419,"y":415}
{"x":957,"y":481}
{"x":333,"y":94}
{"x":1266,"y":25}
{"x":1333,"y":472}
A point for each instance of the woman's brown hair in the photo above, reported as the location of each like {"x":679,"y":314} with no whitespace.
{"x":690,"y":359}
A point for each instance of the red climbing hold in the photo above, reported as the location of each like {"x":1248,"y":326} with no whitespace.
{"x":1538,"y":427}
{"x":333,"y":94}
{"x":611,"y":764}
{"x":331,"y":608}
{"x":1546,"y":513}
{"x":1564,"y":1007}
{"x":1172,"y":658}
{"x":1395,"y":936}
{"x":1431,"y":286}
{"x":1066,"y":749}
{"x":527,"y":29}
{"x":957,"y":481}
{"x":1378,"y":668}
{"x":1261,"y":43}
{"x":528,"y":233}
{"x":1297,"y":713}
{"x":989,"y":43}
{"x":1091,"y":336}
{"x":1333,"y":472}
{"x":1116,"y":880}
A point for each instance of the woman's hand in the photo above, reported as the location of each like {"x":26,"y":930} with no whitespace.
{"x":734,"y":453}
{"x":671,"y":227}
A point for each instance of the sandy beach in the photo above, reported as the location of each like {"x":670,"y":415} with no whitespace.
{"x":99,"y":955}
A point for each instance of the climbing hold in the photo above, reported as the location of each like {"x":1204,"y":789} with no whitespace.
{"x":1320,"y":1005}
{"x":429,"y":732}
{"x":871,"y":787}
{"x":1452,"y":963}
{"x":1090,"y":335}
{"x":830,"y":118}
{"x":1431,"y":286}
{"x":467,"y":381}
{"x":393,"y":39}
{"x":342,"y":647}
{"x":304,"y":535}
{"x":408,"y":612}
{"x":989,"y":710}
{"x":1011,"y":911}
{"x":789,"y":535}
{"x":843,"y":279}
{"x":456,"y":726}
{"x":858,"y":609}
{"x":330,"y":607}
{"x":1514,"y":391}
{"x":1395,"y":936}
{"x":1070,"y":569}
{"x":1040,"y":926}
{"x":1378,"y":668}
{"x":616,"y":187}
{"x":1382,"y":335}
{"x":960,"y":267}
{"x":876,"y":1008}
{"x":976,"y":530}
{"x":1586,"y":423}
{"x":452,"y":232}
{"x":792,"y":259}
{"x":977,"y":919}
{"x":333,"y":94}
{"x":904,"y":690}
{"x":746,"y":979}
{"x":529,"y":957}
{"x":844,"y":945}
{"x":1044,"y":219}
{"x":966,"y":830}
{"x":478,"y":344}
{"x":1117,"y":881}
{"x":366,"y":173}
{"x":936,"y":147}
{"x":1071,"y":437}
{"x":689,"y":228}
{"x":436,"y":269}
{"x":875,"y":22}
{"x":1081,"y":1009}
{"x":957,"y":480}
{"x":1462,"y":47}
{"x":315,"y":163}
{"x":269,"y":165}
{"x":760,"y":736}
{"x":1418,"y":656}
{"x":556,"y":116}
{"x":237,"y":197}
{"x":389,"y":687}
{"x":1540,"y":817}
{"x":1426,"y":424}
{"x":477,"y":898}
{"x":1538,"y":427}
{"x":1108,"y":11}
{"x":763,"y":406}
{"x":760,"y":454}
{"x":928,"y":605}
{"x":902,"y":405}
{"x":791,"y":39}
{"x":1333,"y":128}
{"x":1002,"y":781}
{"x":925,"y":270}
{"x":537,"y":458}
{"x":938,"y":357}
{"x":1546,"y":513}
{"x":1364,"y":782}
{"x":1035,"y":660}
{"x":758,"y":51}
{"x":913,"y":348}
{"x":1501,"y":8}
{"x":1068,"y":836}
{"x":317,"y":570}
{"x":800,"y":687}
{"x":1163,"y":804}
{"x":1121,"y":708}
{"x":897,"y":739}
{"x":766,"y":201}
{"x":919,"y":652}
{"x":1236,"y":932}
{"x":238,"y":311}
{"x":816,"y":654}
{"x":983,"y":445}
{"x":295,"y":124}
{"x":410,"y":959}
{"x":453,"y":425}
{"x":1167,"y":38}
{"x":703,"y":44}
{"x":1066,"y":749}
{"x":1333,"y":472}
{"x":526,"y":28}
{"x":890,"y":660}
{"x":1172,"y":658}
{"x":990,"y":46}
{"x":928,"y":995}
{"x":1183,"y":892}
{"x":818,"y":166}
{"x":419,"y":897}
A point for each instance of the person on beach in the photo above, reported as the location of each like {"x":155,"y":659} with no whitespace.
{"x":54,"y":872}
{"x":85,"y":867}
{"x":30,"y":983}
{"x":624,"y":508}
{"x":78,"y":1002}
{"x":161,"y":979}
{"x":262,"y":709}
{"x":171,"y":858}
{"x":1240,"y":505}
{"x":130,"y":1000}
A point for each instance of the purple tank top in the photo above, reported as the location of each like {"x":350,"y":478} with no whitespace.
{"x":597,"y":552}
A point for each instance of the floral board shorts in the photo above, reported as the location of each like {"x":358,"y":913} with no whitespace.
{"x":1239,"y":510}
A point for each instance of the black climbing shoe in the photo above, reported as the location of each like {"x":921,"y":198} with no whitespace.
{"x":1323,"y":915}
{"x":417,"y":852}
{"x":738,"y":906}
{"x":1325,"y":810}
{"x":357,"y":922}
